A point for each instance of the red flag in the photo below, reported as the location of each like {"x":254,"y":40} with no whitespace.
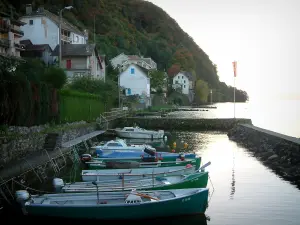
{"x":234,"y":67}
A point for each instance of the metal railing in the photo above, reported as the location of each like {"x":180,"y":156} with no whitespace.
{"x":114,"y":114}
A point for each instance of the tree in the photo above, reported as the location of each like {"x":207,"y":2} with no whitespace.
{"x":55,"y":76}
{"x":158,"y":79}
{"x":202,"y":91}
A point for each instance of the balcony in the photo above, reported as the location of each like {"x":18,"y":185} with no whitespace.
{"x":66,"y":38}
{"x":20,"y":46}
{"x":4,"y":42}
{"x":17,"y":31}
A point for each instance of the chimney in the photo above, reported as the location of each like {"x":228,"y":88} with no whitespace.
{"x":28,"y":9}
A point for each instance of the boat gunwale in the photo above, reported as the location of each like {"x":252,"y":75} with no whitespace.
{"x":193,"y":192}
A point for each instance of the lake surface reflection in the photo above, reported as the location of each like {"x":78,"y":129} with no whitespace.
{"x":245,"y":191}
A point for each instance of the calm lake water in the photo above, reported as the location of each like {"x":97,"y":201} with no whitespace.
{"x":243,"y":191}
{"x":279,"y":116}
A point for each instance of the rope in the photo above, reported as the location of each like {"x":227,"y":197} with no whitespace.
{"x":212,"y":191}
{"x":32,"y":189}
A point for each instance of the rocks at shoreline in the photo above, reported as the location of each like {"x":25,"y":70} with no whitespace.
{"x":279,"y":154}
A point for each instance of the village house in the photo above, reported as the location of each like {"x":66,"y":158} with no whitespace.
{"x":135,"y":80}
{"x":10,"y":34}
{"x":185,"y":82}
{"x":42,"y":52}
{"x":122,"y":61}
{"x":42,"y":27}
{"x":82,"y":60}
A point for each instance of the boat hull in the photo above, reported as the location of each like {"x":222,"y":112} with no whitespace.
{"x":196,"y":180}
{"x":195,"y":203}
{"x":126,"y":164}
{"x":140,"y":135}
{"x":101,"y":175}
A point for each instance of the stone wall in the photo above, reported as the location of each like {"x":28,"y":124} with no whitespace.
{"x":182,"y":123}
{"x":279,"y":152}
{"x":28,"y":141}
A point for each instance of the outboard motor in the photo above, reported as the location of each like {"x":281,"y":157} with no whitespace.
{"x":22,"y":196}
{"x":181,"y":156}
{"x":149,"y":151}
{"x":58,"y":184}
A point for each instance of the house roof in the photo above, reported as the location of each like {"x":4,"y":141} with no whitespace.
{"x":75,"y":50}
{"x":188,"y":75}
{"x":141,"y":68}
{"x":65,"y":25}
{"x":31,"y":47}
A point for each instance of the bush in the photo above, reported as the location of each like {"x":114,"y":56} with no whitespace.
{"x":55,"y":76}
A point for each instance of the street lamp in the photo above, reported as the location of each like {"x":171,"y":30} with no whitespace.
{"x":60,"y":19}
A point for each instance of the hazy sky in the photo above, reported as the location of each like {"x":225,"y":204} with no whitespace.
{"x":262,"y":36}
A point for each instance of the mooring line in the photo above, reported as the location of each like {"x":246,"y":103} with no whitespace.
{"x":32,"y":189}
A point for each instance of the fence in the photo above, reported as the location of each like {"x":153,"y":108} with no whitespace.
{"x":76,"y":108}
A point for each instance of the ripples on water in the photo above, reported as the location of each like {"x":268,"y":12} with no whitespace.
{"x":245,"y":191}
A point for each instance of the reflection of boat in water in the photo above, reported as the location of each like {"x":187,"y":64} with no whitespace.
{"x":199,"y":219}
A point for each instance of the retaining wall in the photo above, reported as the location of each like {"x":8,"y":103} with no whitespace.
{"x":279,"y":152}
{"x":182,"y":123}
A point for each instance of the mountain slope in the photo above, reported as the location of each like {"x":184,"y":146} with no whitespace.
{"x":140,"y":27}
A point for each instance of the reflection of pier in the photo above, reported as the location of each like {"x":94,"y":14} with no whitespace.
{"x":232,"y":180}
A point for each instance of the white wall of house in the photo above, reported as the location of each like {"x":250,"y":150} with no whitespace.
{"x":42,"y":30}
{"x":47,"y":57}
{"x":136,"y":82}
{"x":181,"y":79}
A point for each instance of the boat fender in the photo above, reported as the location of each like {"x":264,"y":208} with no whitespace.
{"x":22,"y":196}
{"x":58,"y":184}
{"x":86,"y":157}
{"x":173,"y":150}
{"x":188,"y":166}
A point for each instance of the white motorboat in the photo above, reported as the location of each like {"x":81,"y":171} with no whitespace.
{"x":121,"y":145}
{"x":137,"y":132}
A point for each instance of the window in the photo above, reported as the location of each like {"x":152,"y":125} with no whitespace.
{"x":184,"y":86}
{"x":68,"y":64}
{"x":128,"y":91}
{"x":182,"y":77}
{"x":183,"y":81}
{"x":114,"y":144}
{"x":30,"y":22}
{"x":176,"y":82}
{"x":132,"y":71}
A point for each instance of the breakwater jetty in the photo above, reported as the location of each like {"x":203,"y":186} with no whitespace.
{"x":279,"y":152}
{"x":182,"y":123}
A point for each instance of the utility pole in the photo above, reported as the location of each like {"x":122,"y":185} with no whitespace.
{"x":211,"y":96}
{"x":59,"y":35}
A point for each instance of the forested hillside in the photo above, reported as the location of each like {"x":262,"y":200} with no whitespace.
{"x":140,"y":27}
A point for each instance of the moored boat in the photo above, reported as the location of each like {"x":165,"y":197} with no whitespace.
{"x":116,"y":205}
{"x":135,"y":173}
{"x":137,"y":132}
{"x":121,"y":145}
{"x":127,"y":164}
{"x":196,"y":180}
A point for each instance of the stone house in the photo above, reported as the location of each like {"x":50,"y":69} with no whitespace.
{"x":10,"y":35}
{"x":185,"y":81}
{"x":82,"y":60}
{"x":42,"y":27}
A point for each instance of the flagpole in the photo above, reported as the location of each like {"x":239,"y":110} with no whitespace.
{"x":234,"y":72}
{"x":234,"y":97}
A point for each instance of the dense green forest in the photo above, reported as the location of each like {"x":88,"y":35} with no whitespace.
{"x":140,"y":27}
